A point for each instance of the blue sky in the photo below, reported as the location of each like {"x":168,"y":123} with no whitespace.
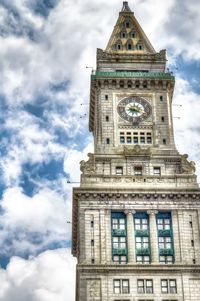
{"x":45,"y":47}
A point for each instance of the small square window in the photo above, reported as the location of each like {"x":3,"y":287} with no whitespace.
{"x":156,"y":171}
{"x":138,"y":170}
{"x":123,"y":34}
{"x":119,"y":170}
{"x":127,"y":24}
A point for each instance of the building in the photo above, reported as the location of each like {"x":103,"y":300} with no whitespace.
{"x":136,"y":215}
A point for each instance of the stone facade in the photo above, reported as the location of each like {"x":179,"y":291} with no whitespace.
{"x":136,"y":214}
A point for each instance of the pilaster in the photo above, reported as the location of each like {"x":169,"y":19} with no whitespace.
{"x":130,"y":236}
{"x":153,"y":235}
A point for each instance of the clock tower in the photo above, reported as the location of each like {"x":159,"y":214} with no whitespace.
{"x":136,"y":214}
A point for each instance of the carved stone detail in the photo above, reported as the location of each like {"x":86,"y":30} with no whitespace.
{"x":88,"y":167}
{"x":186,"y":166}
{"x":94,"y":290}
{"x":136,"y":150}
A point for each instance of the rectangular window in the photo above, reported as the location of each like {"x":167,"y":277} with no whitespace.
{"x":166,"y":259}
{"x":118,"y":223}
{"x":164,"y":242}
{"x":122,"y":139}
{"x":121,"y":286}
{"x":142,"y":140}
{"x":156,"y":171}
{"x":142,"y":242}
{"x":149,"y":140}
{"x":165,"y":237}
{"x":119,"y":259}
{"x":168,"y":286}
{"x":172,"y":286}
{"x":141,"y":223}
{"x":140,"y":287}
{"x":164,"y":286}
{"x":119,"y":170}
{"x":119,"y":242}
{"x":163,"y":223}
{"x":161,"y":98}
{"x":119,"y":238}
{"x":138,"y":170}
{"x":129,"y":140}
{"x":143,"y":259}
{"x":162,"y":118}
{"x":107,"y":118}
{"x":107,"y":141}
{"x":145,"y":286}
{"x":117,"y":286}
{"x":135,"y":140}
{"x":106,"y":97}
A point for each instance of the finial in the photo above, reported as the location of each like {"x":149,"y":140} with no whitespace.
{"x":125,"y":7}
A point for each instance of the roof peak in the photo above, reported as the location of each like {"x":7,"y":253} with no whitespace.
{"x":126,"y":7}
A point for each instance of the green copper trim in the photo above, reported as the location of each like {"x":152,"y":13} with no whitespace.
{"x":118,"y":232}
{"x":143,"y":252}
{"x":119,"y":251}
{"x":127,"y":74}
{"x":142,"y":233}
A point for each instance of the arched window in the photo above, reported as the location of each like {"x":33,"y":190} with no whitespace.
{"x":123,"y":35}
{"x":127,"y":23}
{"x":133,"y":34}
{"x":140,"y":47}
{"x":119,"y":45}
{"x":129,"y":45}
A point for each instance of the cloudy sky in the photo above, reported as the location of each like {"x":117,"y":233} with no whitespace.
{"x":45,"y":46}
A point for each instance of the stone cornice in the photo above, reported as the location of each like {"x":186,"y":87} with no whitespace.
{"x":130,"y":268}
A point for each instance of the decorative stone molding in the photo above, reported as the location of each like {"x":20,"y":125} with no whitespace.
{"x":152,"y":212}
{"x":88,"y":167}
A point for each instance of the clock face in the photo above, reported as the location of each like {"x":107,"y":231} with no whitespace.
{"x":134,"y":109}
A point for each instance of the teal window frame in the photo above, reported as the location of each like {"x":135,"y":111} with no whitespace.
{"x":119,"y":238}
{"x":142,"y":233}
{"x":165,"y":237}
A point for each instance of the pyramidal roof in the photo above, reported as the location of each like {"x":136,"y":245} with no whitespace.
{"x":128,"y":36}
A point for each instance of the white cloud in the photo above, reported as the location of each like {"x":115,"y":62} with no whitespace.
{"x":72,"y":160}
{"x":187,"y":128}
{"x":44,"y":215}
{"x":48,"y":277}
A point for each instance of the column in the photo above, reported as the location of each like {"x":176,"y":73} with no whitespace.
{"x":130,"y":236}
{"x":103,"y":236}
{"x":108,"y":236}
{"x":153,"y":235}
{"x":176,"y":236}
